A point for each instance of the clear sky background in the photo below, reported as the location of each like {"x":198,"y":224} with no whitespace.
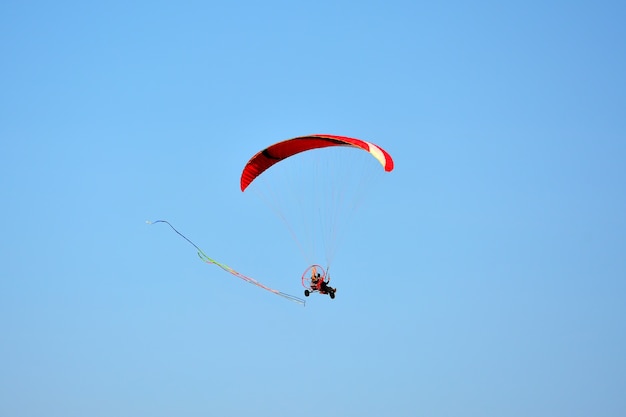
{"x":485,"y":277}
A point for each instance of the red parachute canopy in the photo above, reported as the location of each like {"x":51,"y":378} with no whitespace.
{"x":282,"y":150}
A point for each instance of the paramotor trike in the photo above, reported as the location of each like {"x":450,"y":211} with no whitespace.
{"x":316,"y":279}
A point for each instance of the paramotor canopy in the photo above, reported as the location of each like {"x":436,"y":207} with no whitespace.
{"x":285,"y":149}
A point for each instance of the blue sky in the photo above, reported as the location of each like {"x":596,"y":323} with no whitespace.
{"x":484,"y":277}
